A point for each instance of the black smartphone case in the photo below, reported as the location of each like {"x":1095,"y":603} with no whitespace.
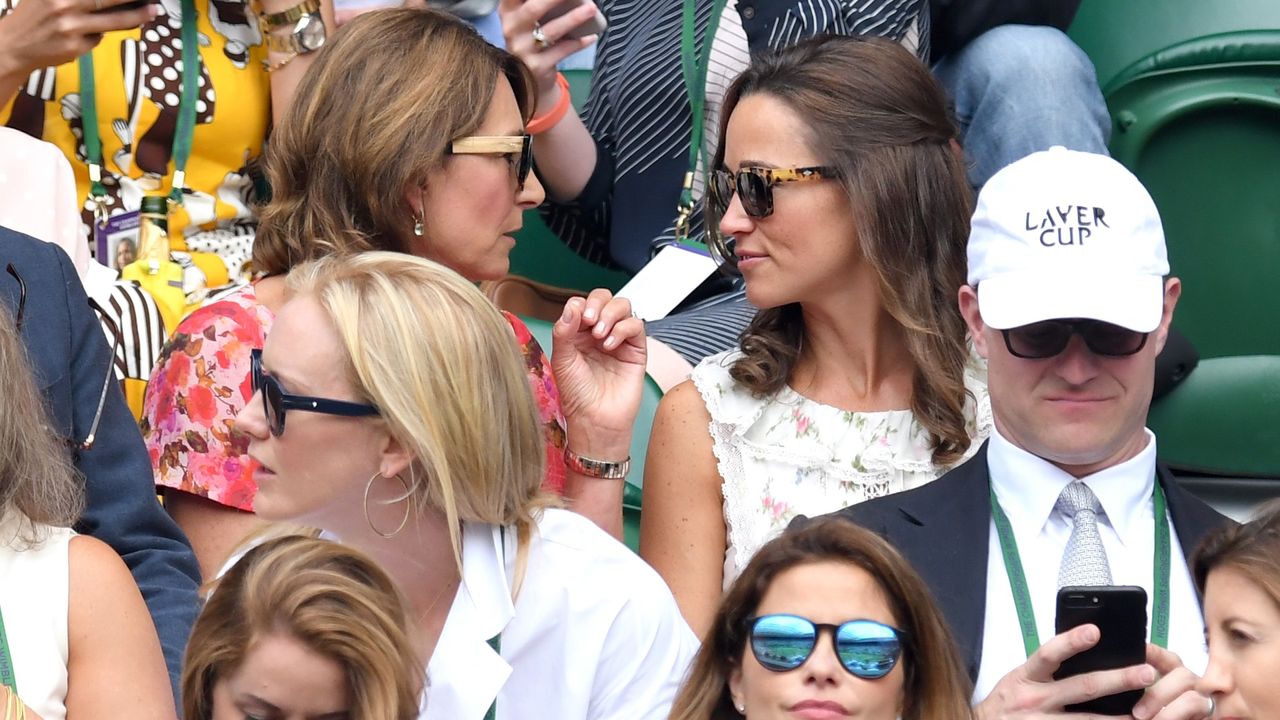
{"x":1120,"y":612}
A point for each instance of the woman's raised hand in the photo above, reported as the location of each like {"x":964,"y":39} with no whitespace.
{"x":598,"y":356}
{"x":520,"y":18}
{"x":48,"y":33}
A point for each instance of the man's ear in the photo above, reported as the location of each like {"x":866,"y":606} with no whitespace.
{"x":968,"y":299}
{"x":1172,"y":291}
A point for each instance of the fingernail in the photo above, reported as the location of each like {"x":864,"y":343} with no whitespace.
{"x":608,"y":344}
{"x":1140,"y":712}
{"x":590,"y":314}
{"x":599,"y":328}
{"x":567,"y":314}
{"x":1148,"y":675}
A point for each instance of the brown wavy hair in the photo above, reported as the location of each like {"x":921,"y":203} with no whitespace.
{"x":330,"y":597}
{"x":935,"y":684}
{"x":374,"y":114}
{"x":877,"y":115}
{"x":1253,"y":549}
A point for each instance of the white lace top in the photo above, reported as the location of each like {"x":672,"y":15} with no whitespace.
{"x":788,"y":455}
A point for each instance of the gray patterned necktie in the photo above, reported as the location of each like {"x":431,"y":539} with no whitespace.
{"x":1084,"y":561}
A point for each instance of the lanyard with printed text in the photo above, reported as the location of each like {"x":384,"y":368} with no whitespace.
{"x":495,"y":642}
{"x":182,"y":134}
{"x":1022,"y":596}
{"x":7,"y":676}
{"x":694,"y":70}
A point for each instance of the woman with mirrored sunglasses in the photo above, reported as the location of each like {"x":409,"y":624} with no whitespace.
{"x":524,"y":610}
{"x":827,"y":619}
{"x":843,"y":203}
{"x":409,"y":136}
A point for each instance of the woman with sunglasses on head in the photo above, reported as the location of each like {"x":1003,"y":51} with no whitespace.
{"x":407,"y":135}
{"x":393,"y":411}
{"x":1237,"y":573}
{"x":824,"y":622}
{"x":76,"y":640}
{"x":302,"y":628}
{"x":841,"y":199}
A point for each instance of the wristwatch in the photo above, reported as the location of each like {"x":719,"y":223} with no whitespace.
{"x":306,"y":27}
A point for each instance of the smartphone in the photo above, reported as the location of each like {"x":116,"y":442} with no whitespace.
{"x":1120,"y":612}
{"x":131,"y":5}
{"x":594,"y":26}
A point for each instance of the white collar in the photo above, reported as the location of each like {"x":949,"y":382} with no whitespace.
{"x":465,"y":673}
{"x":1028,"y":486}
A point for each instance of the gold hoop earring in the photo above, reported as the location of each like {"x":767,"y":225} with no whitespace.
{"x":408,"y":490}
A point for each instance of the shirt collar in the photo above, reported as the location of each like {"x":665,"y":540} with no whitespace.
{"x":1123,"y":490}
{"x":465,"y":673}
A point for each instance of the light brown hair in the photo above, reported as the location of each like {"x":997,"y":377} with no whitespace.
{"x":374,"y":115}
{"x":38,"y":483}
{"x":1253,"y":549}
{"x":328,"y":596}
{"x":876,"y":114}
{"x":935,"y":685}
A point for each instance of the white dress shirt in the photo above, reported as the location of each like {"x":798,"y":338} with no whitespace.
{"x":593,"y":633}
{"x":1027,"y":488}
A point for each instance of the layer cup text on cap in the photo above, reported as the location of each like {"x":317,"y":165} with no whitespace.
{"x":1067,"y":234}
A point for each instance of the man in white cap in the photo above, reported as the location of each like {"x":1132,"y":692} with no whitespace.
{"x":1068,"y":301}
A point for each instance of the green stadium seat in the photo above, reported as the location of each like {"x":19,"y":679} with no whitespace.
{"x":540,"y":255}
{"x":541,"y":331}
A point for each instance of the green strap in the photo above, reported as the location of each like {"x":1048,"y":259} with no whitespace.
{"x":182,"y":136}
{"x":1022,"y":595}
{"x":7,"y":676}
{"x":694,"y":70}
{"x":495,"y":642}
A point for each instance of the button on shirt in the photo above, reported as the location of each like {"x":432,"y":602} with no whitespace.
{"x":1027,"y":488}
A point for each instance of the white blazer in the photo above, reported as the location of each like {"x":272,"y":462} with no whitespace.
{"x":594,"y":633}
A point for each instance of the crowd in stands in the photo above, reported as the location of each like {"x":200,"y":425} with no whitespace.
{"x":334,"y":480}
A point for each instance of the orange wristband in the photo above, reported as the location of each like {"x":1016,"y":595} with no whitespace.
{"x":549,"y":119}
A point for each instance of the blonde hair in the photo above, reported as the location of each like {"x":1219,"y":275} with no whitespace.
{"x":326,"y":595}
{"x":38,"y":483}
{"x":375,"y":113}
{"x":443,"y":367}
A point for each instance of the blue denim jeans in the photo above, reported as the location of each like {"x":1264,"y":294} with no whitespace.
{"x":1019,"y":89}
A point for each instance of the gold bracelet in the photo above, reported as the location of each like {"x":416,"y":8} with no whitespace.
{"x":601,"y":469}
{"x":274,"y":66}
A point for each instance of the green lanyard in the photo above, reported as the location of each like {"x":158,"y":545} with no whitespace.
{"x":495,"y":642}
{"x":1022,"y":596}
{"x":7,"y":676}
{"x":694,"y":70}
{"x":186,"y":116}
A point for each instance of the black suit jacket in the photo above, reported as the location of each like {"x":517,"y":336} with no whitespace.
{"x":943,"y":529}
{"x":70,"y":358}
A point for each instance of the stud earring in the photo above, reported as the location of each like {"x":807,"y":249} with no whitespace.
{"x":742,"y":709}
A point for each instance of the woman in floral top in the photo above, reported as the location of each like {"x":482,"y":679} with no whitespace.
{"x":373,"y":171}
{"x":840,"y":183}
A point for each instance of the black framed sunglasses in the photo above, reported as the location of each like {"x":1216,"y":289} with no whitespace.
{"x":512,"y":146}
{"x":754,"y":186}
{"x":866,"y":648}
{"x":1047,"y":338}
{"x":275,"y":401}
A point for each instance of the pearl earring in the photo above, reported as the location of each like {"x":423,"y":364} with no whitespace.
{"x":742,"y":709}
{"x":417,"y":226}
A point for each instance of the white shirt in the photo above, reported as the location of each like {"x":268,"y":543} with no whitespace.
{"x":1027,"y":488}
{"x":594,"y":632}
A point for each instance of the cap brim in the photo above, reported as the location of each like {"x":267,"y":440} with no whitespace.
{"x":1135,"y":302}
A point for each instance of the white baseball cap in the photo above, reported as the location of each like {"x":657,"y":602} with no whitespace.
{"x":1067,"y":234}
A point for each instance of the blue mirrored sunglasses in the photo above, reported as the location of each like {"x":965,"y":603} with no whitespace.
{"x":866,"y":648}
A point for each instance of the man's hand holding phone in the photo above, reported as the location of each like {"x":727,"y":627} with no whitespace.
{"x":562,"y":36}
{"x":1030,"y":691}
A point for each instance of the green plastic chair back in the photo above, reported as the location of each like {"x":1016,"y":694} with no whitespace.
{"x":1224,"y":419}
{"x":1199,"y":123}
{"x":540,"y":255}
{"x":651,"y":395}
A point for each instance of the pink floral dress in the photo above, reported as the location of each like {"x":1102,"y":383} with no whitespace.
{"x":201,"y":381}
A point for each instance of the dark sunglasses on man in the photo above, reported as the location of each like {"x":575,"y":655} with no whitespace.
{"x":866,"y":648}
{"x":754,"y":186}
{"x":275,"y":401}
{"x":517,"y":148}
{"x":1045,"y":339}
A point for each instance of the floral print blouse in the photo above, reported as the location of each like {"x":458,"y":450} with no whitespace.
{"x":788,"y":455}
{"x":201,"y":381}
